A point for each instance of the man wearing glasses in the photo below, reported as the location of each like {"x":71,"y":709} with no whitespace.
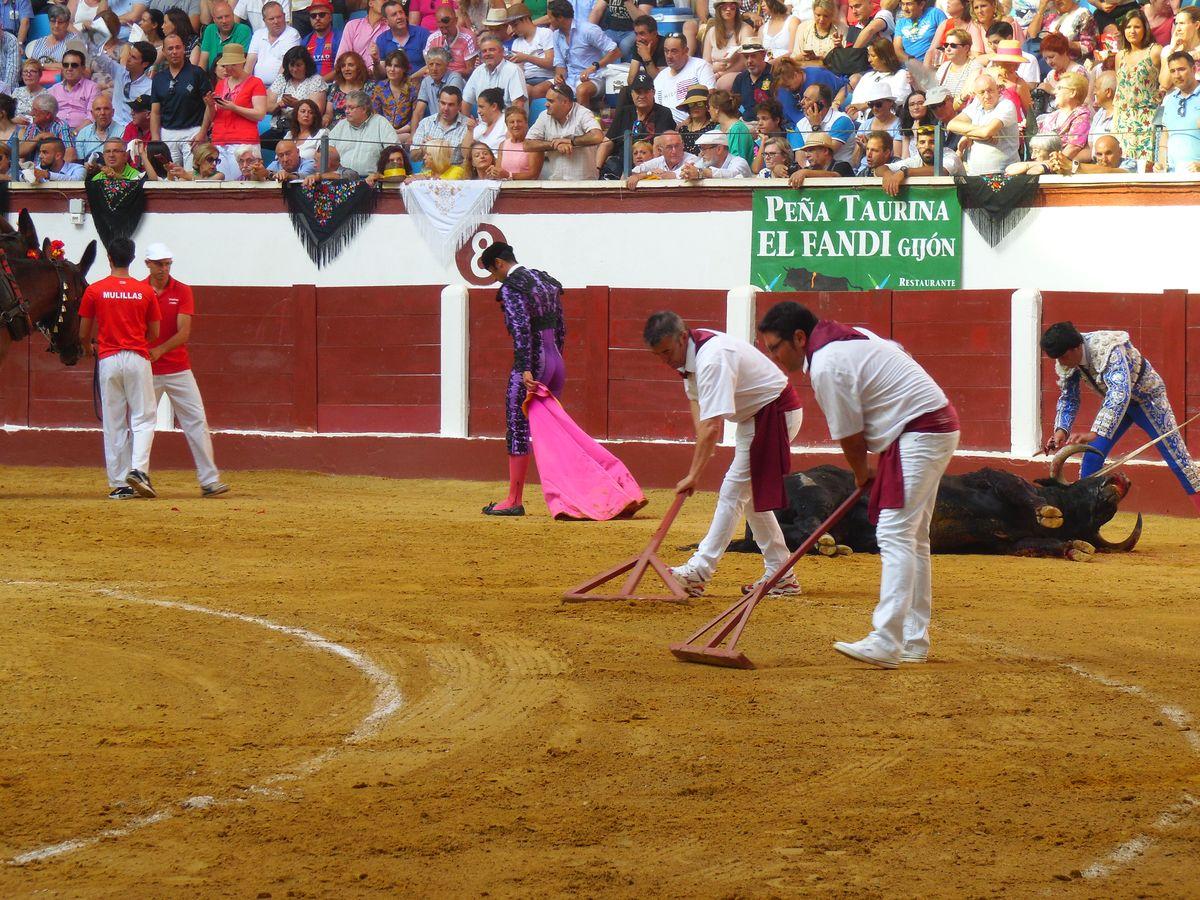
{"x":460,"y":44}
{"x":323,"y":43}
{"x":177,"y":102}
{"x":1181,"y":114}
{"x":74,"y":93}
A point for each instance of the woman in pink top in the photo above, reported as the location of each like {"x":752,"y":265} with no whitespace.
{"x":515,"y":162}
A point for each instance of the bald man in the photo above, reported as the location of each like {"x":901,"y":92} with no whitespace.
{"x":225,"y":29}
{"x":1109,"y":159}
{"x":989,"y":122}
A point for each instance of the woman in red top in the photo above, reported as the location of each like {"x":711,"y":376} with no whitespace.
{"x":235,"y":107}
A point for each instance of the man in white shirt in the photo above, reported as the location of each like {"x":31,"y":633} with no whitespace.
{"x":876,"y":399}
{"x":990,"y":124}
{"x":264,"y":56}
{"x":922,"y":163}
{"x":568,"y":134}
{"x":496,"y":72}
{"x":681,"y":72}
{"x":532,"y":48}
{"x":667,"y":165}
{"x":716,"y":160}
{"x":729,"y":380}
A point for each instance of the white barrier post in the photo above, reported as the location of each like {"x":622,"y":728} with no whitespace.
{"x":1026,"y":374}
{"x":455,"y":358}
{"x":740,"y":319}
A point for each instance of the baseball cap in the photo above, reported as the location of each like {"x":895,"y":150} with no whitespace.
{"x":321,"y":4}
{"x":140,"y":104}
{"x":936,"y":95}
{"x":641,"y":82}
{"x":158,"y":252}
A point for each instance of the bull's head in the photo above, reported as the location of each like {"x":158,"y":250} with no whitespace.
{"x":1091,"y":502}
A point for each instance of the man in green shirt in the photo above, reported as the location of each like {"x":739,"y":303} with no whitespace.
{"x":225,"y":29}
{"x":116,"y":163}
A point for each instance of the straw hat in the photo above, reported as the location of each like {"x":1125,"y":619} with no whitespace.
{"x":519,"y":11}
{"x":697,"y":94}
{"x":232,"y":55}
{"x":818,"y":139}
{"x":496,"y":16}
{"x":1007,"y":53}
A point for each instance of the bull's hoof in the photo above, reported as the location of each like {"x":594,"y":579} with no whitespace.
{"x":826,"y":545}
{"x":1080,"y":551}
{"x":843,"y":550}
{"x":1049,"y":516}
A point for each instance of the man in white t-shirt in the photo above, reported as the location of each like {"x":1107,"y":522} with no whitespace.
{"x":729,"y":380}
{"x":876,"y":399}
{"x":681,"y":72}
{"x":264,"y":56}
{"x":532,"y":48}
{"x":989,"y":128}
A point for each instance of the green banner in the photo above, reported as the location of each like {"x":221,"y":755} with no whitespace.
{"x":856,"y":240}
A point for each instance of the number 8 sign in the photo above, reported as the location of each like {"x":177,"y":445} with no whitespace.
{"x":467,"y":258}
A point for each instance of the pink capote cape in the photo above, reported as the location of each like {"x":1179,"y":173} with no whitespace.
{"x":581,"y":480}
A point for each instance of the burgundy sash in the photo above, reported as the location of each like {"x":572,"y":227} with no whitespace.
{"x":771,"y":451}
{"x":887,"y":492}
{"x":827,"y":331}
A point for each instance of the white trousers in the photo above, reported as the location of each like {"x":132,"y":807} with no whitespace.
{"x":179,"y":141}
{"x":732,"y":503}
{"x":181,"y":389}
{"x":901,"y":619}
{"x":127,"y":400}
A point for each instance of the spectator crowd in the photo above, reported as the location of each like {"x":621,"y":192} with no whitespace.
{"x":395,"y":90}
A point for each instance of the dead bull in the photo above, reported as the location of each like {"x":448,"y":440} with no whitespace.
{"x":988,"y":511}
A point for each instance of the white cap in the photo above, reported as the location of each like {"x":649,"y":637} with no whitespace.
{"x":872,"y":92}
{"x":159,"y":251}
{"x":714,"y":138}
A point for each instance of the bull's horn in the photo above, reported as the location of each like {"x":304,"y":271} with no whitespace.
{"x":1124,"y":546}
{"x":1066,"y":453}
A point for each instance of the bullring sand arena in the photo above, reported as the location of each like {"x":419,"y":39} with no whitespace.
{"x":337,"y":687}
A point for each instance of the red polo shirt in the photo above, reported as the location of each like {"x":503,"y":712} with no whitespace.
{"x":174,"y":299}
{"x":122,"y":308}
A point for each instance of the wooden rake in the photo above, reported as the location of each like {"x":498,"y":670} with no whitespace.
{"x":636,"y":567}
{"x":730,"y":623}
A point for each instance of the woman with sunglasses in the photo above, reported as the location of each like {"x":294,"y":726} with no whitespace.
{"x":723,"y":41}
{"x":698,"y":120}
{"x":1138,"y":93}
{"x":958,"y":15}
{"x":957,"y":73}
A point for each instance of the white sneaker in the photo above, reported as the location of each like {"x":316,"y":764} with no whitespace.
{"x":689,"y":579}
{"x":914,"y":656}
{"x":787,"y":586}
{"x":866,"y":651}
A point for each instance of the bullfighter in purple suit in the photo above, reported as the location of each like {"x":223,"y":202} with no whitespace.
{"x":533,"y":314}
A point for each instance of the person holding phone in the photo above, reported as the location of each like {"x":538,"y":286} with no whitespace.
{"x":234,"y":108}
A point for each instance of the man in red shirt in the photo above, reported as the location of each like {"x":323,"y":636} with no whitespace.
{"x":126,"y":317}
{"x":173,"y":369}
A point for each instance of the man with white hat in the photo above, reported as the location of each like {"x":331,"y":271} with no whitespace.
{"x":716,"y":160}
{"x":172,"y":369}
{"x":755,"y":83}
{"x":819,"y":148}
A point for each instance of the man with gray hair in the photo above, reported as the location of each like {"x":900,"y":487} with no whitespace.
{"x":729,"y":380}
{"x":495,"y":72}
{"x":44,"y":123}
{"x":264,"y":56}
{"x":437,"y":76}
{"x":361,"y":136}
